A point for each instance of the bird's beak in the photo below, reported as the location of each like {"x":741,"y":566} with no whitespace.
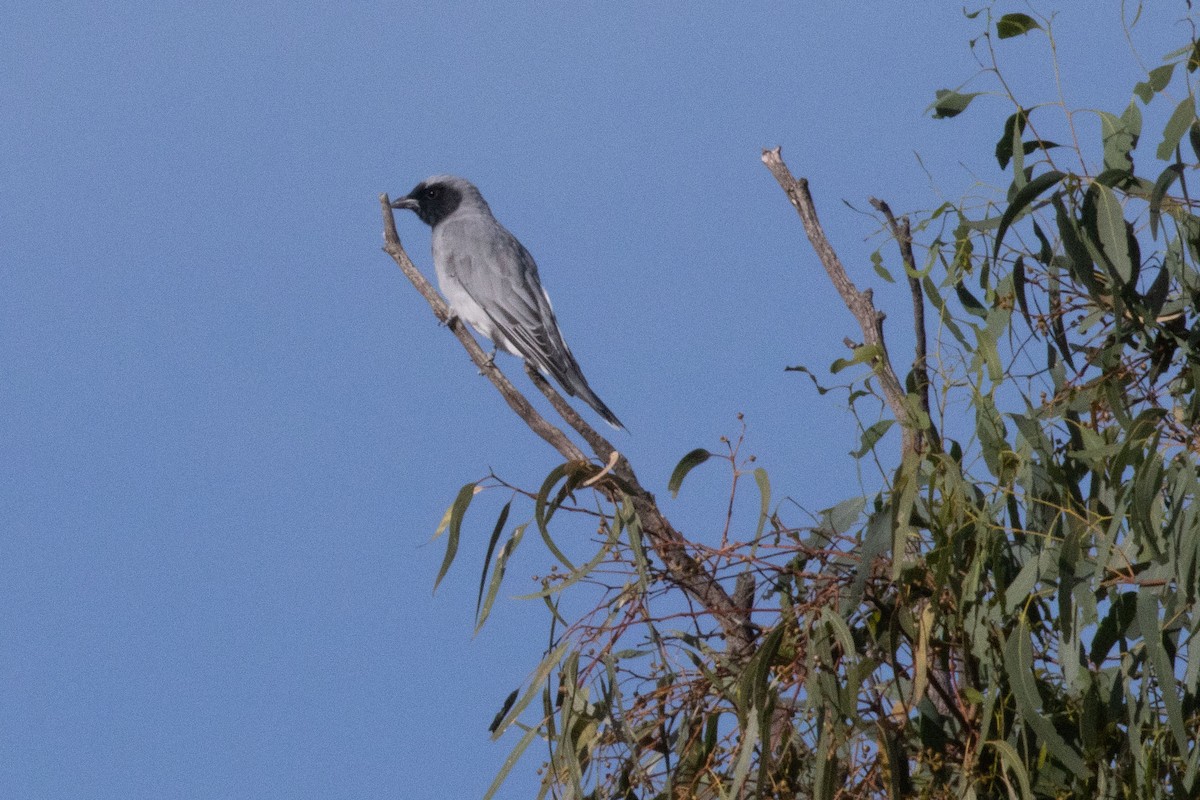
{"x":405,"y":202}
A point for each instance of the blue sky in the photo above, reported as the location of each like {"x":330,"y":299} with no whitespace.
{"x":230,"y":426}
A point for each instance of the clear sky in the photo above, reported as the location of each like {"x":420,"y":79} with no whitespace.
{"x":229,"y":426}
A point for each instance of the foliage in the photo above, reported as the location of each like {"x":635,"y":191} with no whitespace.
{"x":1014,"y":613}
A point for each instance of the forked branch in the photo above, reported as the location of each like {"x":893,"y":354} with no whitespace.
{"x":858,"y":302}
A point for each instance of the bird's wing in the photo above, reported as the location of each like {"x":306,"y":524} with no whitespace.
{"x":501,"y":277}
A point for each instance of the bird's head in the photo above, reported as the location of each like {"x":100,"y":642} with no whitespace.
{"x":434,"y":199}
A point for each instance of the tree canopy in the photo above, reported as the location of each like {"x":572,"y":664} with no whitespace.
{"x":1013,"y":613}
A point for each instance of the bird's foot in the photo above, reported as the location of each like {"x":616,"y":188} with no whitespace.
{"x":450,"y":321}
{"x":490,"y":361}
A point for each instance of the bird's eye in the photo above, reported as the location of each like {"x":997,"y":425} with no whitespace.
{"x":431,"y":192}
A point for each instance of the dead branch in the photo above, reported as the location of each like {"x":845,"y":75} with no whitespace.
{"x":859,"y":303}
{"x":902,"y":233}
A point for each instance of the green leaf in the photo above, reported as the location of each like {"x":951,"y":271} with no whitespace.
{"x":872,"y":435}
{"x":1045,"y":251}
{"x":1181,"y":120}
{"x":1119,"y":136}
{"x":862,"y":354}
{"x":764,"y":491}
{"x":544,"y":508}
{"x":1161,"y":186}
{"x":511,"y":761}
{"x":1019,"y":288}
{"x":457,"y":510}
{"x":840,"y":518}
{"x":686,"y":465}
{"x":577,"y":574}
{"x":1194,"y":58}
{"x":508,"y":703}
{"x":1194,"y":137}
{"x":1077,"y":253}
{"x":1018,"y":665}
{"x":535,"y":682}
{"x":1011,"y":25}
{"x":487,"y":559}
{"x":1149,"y":621}
{"x":1158,"y":80}
{"x":950,"y":103}
{"x":1012,"y":762}
{"x":628,"y":518}
{"x":969,"y":302}
{"x":1022,"y":200}
{"x":880,"y":270}
{"x":498,"y":575}
{"x":876,"y":540}
{"x":993,"y":438}
{"x":1113,"y":627}
{"x":1014,"y":126}
{"x":1110,"y":230}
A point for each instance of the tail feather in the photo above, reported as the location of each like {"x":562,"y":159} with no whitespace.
{"x":588,"y":396}
{"x":576,"y":385}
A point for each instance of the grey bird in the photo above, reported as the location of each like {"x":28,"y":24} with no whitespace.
{"x":491,"y":281}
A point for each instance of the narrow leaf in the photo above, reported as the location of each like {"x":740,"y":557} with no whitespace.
{"x":862,"y":354}
{"x":498,"y":575}
{"x":544,"y":508}
{"x":1012,"y":762}
{"x":969,"y":302}
{"x":1022,"y":200}
{"x":1161,"y":187}
{"x":872,"y":435}
{"x":1149,"y":621}
{"x":535,"y":681}
{"x":686,"y":465}
{"x":487,"y":559}
{"x":508,"y":703}
{"x":1179,"y":123}
{"x":1110,"y":228}
{"x":876,"y":540}
{"x":1018,"y":664}
{"x":576,"y":574}
{"x":513,"y":757}
{"x":764,"y":491}
{"x":1019,"y":288}
{"x":1014,"y":126}
{"x":1119,"y":138}
{"x":880,"y":269}
{"x":457,"y":511}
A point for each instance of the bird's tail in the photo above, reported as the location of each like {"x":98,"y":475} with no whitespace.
{"x":585,"y":393}
{"x":571,"y":379}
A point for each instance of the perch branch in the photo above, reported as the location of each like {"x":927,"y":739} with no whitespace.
{"x":516,"y":401}
{"x":670,"y":545}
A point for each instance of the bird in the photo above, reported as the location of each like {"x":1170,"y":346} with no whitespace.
{"x":491,"y":281}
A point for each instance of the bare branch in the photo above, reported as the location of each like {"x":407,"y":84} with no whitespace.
{"x":859,"y":303}
{"x":902,"y":233}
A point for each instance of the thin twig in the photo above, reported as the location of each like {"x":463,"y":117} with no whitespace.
{"x":902,"y":233}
